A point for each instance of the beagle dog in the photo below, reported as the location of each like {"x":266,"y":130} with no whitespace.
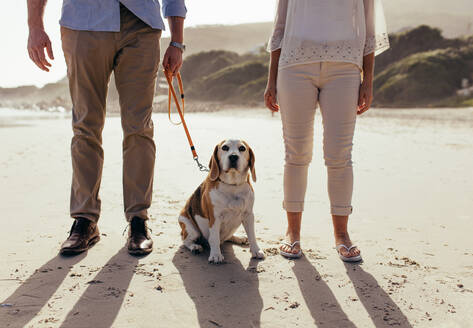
{"x":222,"y":202}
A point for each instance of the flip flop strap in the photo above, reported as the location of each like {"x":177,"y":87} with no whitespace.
{"x":344,"y":246}
{"x":341,"y":246}
{"x":291,"y":245}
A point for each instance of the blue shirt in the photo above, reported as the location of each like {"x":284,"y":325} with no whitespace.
{"x":104,"y":15}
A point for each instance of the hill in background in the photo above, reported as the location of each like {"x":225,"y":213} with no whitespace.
{"x":422,"y":68}
{"x":454,"y":18}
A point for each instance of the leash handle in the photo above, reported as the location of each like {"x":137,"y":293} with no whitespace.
{"x":172,"y":92}
{"x":170,"y":95}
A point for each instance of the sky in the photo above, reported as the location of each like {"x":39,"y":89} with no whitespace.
{"x":17,"y":69}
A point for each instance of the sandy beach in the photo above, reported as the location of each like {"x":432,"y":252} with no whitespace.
{"x":413,"y":208}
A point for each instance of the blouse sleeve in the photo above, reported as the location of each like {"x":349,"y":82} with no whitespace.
{"x":377,"y":39}
{"x":275,"y":40}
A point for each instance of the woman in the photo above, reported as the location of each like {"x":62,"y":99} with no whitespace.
{"x":318,"y":50}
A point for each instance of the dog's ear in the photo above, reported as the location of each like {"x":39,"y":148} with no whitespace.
{"x":214,"y":165}
{"x":251,"y":162}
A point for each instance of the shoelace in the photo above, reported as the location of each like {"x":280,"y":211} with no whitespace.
{"x":146,"y":228}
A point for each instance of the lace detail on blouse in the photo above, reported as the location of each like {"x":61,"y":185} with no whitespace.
{"x":310,"y":31}
{"x":377,"y":44}
{"x":276,"y":40}
{"x":344,"y":51}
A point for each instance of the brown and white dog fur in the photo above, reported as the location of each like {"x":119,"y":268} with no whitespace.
{"x":222,"y":202}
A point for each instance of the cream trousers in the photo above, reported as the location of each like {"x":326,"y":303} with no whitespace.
{"x":335,"y":87}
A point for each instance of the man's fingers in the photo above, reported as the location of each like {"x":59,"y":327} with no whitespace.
{"x":30,"y":55}
{"x":42,"y":57}
{"x":176,"y":63}
{"x":178,"y":68}
{"x":37,"y":61}
{"x":174,"y":68}
{"x":49,"y":50}
{"x":166,"y":62}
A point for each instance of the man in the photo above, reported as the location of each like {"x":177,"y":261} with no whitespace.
{"x":99,"y":37}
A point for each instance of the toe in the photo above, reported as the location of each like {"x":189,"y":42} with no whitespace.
{"x":355,"y":252}
{"x":344,"y":252}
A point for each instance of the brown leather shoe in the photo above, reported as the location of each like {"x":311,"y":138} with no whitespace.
{"x":139,"y":241}
{"x":84,"y":234}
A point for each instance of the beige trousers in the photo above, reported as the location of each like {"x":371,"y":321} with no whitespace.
{"x":133,"y":55}
{"x":335,"y":87}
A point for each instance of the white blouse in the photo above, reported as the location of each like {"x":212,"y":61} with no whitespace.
{"x":310,"y":31}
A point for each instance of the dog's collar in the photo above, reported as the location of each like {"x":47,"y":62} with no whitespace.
{"x":230,"y":184}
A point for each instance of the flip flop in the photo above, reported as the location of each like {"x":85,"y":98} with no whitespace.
{"x":291,"y":255}
{"x":348,"y":259}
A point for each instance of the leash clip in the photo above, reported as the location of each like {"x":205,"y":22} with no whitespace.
{"x":201,"y":166}
{"x":172,"y":95}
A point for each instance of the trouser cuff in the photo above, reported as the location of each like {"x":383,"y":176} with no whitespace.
{"x":341,"y":210}
{"x":89,"y":217}
{"x":293,"y":206}
{"x":140,"y":214}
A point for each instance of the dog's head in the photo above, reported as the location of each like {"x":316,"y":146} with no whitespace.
{"x":231,"y":161}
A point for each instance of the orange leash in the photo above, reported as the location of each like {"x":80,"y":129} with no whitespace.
{"x":172,"y":92}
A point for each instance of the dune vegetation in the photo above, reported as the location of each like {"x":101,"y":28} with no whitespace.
{"x":421,"y":69}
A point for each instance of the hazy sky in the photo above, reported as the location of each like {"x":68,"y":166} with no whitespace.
{"x":17,"y":69}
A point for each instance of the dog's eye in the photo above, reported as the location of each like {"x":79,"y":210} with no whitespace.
{"x":225,"y":148}
{"x":242,"y":148}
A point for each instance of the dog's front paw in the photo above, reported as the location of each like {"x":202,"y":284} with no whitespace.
{"x":239,"y":240}
{"x":196,"y":249}
{"x":216,"y":258}
{"x":257,"y":254}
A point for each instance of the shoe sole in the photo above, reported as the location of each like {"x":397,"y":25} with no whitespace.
{"x":353,"y":259}
{"x":140,"y":252}
{"x":74,"y":251}
{"x":291,"y":256}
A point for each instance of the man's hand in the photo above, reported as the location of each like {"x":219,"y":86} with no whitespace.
{"x":172,"y":60}
{"x":38,"y":40}
{"x":365,"y":97}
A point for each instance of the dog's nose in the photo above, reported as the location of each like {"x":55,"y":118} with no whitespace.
{"x":233,"y":158}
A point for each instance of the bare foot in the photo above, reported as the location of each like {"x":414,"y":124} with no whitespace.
{"x":344,"y":238}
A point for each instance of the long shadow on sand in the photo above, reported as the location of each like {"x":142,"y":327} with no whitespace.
{"x":225,"y":295}
{"x":35,"y":292}
{"x":323,"y":305}
{"x":100,"y":303}
{"x":379,"y":305}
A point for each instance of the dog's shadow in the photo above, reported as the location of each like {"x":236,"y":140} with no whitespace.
{"x":225,"y":295}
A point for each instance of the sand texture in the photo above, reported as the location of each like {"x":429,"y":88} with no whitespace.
{"x":413,"y":205}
